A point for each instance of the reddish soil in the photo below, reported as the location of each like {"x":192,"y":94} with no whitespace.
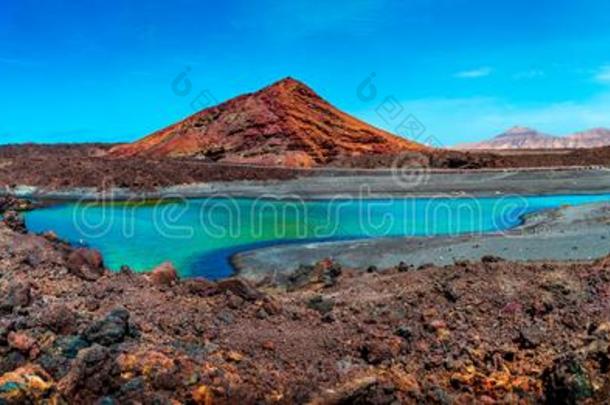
{"x":285,"y":124}
{"x":68,"y":166}
{"x":486,"y":332}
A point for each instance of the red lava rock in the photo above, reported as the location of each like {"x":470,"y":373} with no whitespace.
{"x":272,"y":306}
{"x":86,"y":264}
{"x":239,"y":287}
{"x":59,"y":318}
{"x":376,"y":351}
{"x":199,"y":287}
{"x":268,"y":345}
{"x":164,"y":275}
{"x":21,"y":342}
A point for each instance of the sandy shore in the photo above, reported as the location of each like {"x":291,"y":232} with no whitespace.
{"x":364,"y":184}
{"x":568,"y":233}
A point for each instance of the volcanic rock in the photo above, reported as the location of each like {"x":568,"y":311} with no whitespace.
{"x":285,"y":124}
{"x":18,"y":295}
{"x":114,"y":328}
{"x":239,"y":287}
{"x":566,"y":381}
{"x":86,"y":264}
{"x":164,"y":274}
{"x":14,"y":221}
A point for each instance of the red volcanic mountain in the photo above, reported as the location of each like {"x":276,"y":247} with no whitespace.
{"x":285,"y":124}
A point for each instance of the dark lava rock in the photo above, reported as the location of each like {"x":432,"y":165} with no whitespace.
{"x":376,"y":352}
{"x":14,"y":221}
{"x":126,"y":271}
{"x":404,"y":332}
{"x":321,"y":304}
{"x":18,"y":295}
{"x":57,"y":359}
{"x":113,"y":329}
{"x":371,"y":269}
{"x":300,"y":277}
{"x":566,"y":381}
{"x":530,"y":337}
{"x":449,"y":292}
{"x":11,"y":361}
{"x":10,"y":203}
{"x":491,"y":259}
{"x":86,"y":264}
{"x":69,"y":346}
{"x":93,"y":373}
{"x":332,"y":274}
{"x":239,"y":287}
{"x":404,"y":267}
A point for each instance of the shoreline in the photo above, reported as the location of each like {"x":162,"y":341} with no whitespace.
{"x":570,"y":233}
{"x":382,"y":184}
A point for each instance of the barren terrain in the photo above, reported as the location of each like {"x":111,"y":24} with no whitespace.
{"x":474,"y":331}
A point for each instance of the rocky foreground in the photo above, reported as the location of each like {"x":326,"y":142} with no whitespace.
{"x":492,"y":331}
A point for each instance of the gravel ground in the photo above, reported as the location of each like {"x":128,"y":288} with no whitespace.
{"x":365,"y":184}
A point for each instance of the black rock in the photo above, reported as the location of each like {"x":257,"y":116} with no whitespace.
{"x":404,"y":332}
{"x":566,"y":381}
{"x":113,"y":329}
{"x":321,"y":304}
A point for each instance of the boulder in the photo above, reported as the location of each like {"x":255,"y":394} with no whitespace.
{"x":164,"y":275}
{"x":94,"y":374}
{"x":21,"y":342}
{"x":567,"y":381}
{"x":239,"y":287}
{"x":86,"y":264}
{"x":112,"y":329}
{"x":59,"y":318}
{"x":199,"y":287}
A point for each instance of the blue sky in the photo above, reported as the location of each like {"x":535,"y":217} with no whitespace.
{"x":103,"y":70}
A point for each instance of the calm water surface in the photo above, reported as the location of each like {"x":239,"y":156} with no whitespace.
{"x":200,"y":235}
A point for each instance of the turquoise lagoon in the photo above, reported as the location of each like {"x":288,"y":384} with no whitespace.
{"x":200,"y":235}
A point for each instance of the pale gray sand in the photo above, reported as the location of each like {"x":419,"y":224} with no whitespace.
{"x":569,"y":233}
{"x":369,"y":184}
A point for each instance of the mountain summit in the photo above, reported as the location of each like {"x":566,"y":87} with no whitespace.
{"x":286,"y":123}
{"x":527,"y":138}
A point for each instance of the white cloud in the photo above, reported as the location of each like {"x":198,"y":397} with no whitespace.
{"x":603,"y":75}
{"x":474,"y":73}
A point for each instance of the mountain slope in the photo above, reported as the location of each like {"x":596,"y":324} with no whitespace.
{"x":286,"y":124}
{"x":527,"y":138}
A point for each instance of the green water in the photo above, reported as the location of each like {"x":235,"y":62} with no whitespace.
{"x":198,"y":236}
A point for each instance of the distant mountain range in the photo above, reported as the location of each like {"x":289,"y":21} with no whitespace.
{"x":527,"y":138}
{"x":286,"y":124}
